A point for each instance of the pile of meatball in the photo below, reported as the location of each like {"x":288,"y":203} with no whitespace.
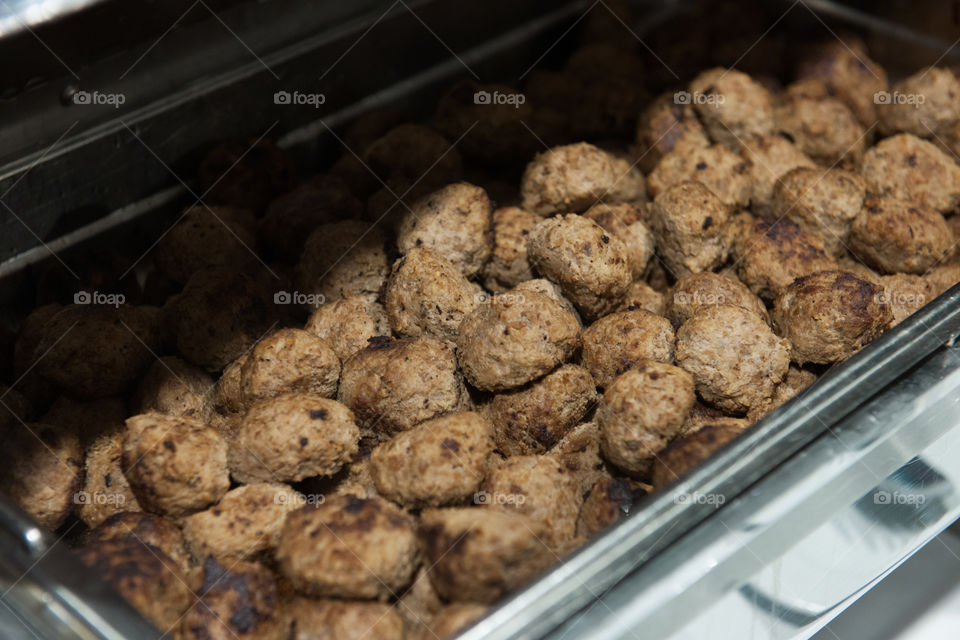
{"x":372,"y":403}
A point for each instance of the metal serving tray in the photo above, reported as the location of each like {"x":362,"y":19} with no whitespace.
{"x":886,"y":420}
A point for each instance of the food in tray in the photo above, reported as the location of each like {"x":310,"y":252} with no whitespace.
{"x":382,"y":398}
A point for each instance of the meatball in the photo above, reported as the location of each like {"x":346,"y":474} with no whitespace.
{"x":794,"y":382}
{"x":515,"y":339}
{"x":105,"y":489}
{"x":219,"y":315}
{"x":687,"y":451}
{"x":610,"y":500}
{"x":290,"y":361}
{"x":895,"y":236}
{"x":690,"y":222}
{"x":777,"y":252}
{"x":641,"y":295}
{"x":615,"y":343}
{"x":908,"y":168}
{"x":540,"y":487}
{"x":665,"y":125}
{"x":721,"y":170}
{"x":245,"y":174}
{"x":575,"y":177}
{"x":641,"y":411}
{"x":144,"y":575}
{"x":207,"y":237}
{"x":42,"y":466}
{"x":924,"y":104}
{"x":734,"y":357}
{"x":348,"y":324}
{"x":623,"y":221}
{"x":496,"y":551}
{"x":824,"y":202}
{"x":239,"y":601}
{"x":145,"y":529}
{"x":531,"y":419}
{"x":509,"y":265}
{"x":349,"y":547}
{"x":244,"y":524}
{"x":770,"y":157}
{"x":291,"y":437}
{"x":845,"y":71}
{"x":175,"y":464}
{"x":697,"y":291}
{"x":590,"y":265}
{"x":440,"y":461}
{"x":828,"y":316}
{"x":175,"y":387}
{"x":93,"y":351}
{"x":312,"y":619}
{"x":731,"y":105}
{"x":230,"y":387}
{"x":393,"y":385}
{"x":342,"y":259}
{"x":906,"y":293}
{"x":824,"y":129}
{"x":579,"y":451}
{"x":413,"y":152}
{"x":454,"y":222}
{"x":428,"y":295}
{"x":546,"y":288}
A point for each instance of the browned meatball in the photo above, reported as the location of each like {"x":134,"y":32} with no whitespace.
{"x":427,"y":295}
{"x":496,"y":551}
{"x":641,"y":411}
{"x":93,"y":351}
{"x":924,"y":104}
{"x":105,"y":489}
{"x":579,"y":451}
{"x":207,"y":237}
{"x":348,"y":547}
{"x":219,"y":315}
{"x":609,"y":500}
{"x":175,"y":464}
{"x":908,"y":168}
{"x":393,"y":385}
{"x":327,"y":619}
{"x":721,"y":170}
{"x":577,"y":176}
{"x":175,"y":387}
{"x":846,"y":72}
{"x":824,"y":129}
{"x":734,"y":357}
{"x":770,"y":157}
{"x":454,"y":222}
{"x":515,"y":339}
{"x":777,"y":252}
{"x":731,"y":105}
{"x":245,"y":173}
{"x":830,"y":315}
{"x":238,"y":601}
{"x":440,"y":461}
{"x":244,"y":524}
{"x":689,"y":222}
{"x":896,"y":236}
{"x":42,"y":466}
{"x":590,"y":265}
{"x":641,"y":295}
{"x":824,"y":202}
{"x":794,"y":382}
{"x":623,"y":220}
{"x":906,"y":293}
{"x":416,"y":153}
{"x":686,"y":452}
{"x":665,"y":125}
{"x":342,"y":259}
{"x":544,"y":287}
{"x":290,"y":360}
{"x":696,"y":291}
{"x":291,"y":437}
{"x":508,"y":265}
{"x":349,"y":323}
{"x":144,"y":575}
{"x":230,"y":386}
{"x":531,"y":419}
{"x":615,"y":343}
{"x":145,"y":529}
